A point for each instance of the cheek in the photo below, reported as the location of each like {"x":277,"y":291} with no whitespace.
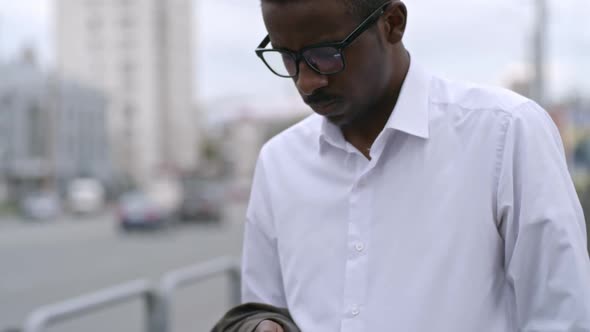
{"x":373,"y":67}
{"x":366,"y":71}
{"x":364,"y":81}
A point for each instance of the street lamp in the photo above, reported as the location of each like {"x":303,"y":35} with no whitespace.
{"x":539,"y":48}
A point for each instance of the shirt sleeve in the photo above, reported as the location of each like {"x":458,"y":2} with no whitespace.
{"x":261,"y":271}
{"x":543,"y":226}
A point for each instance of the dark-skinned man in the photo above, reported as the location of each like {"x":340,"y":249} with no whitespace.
{"x":407,"y":202}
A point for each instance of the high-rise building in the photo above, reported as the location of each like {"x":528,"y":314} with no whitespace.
{"x":139,"y":53}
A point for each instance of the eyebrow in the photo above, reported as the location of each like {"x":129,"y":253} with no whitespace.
{"x":276,"y":46}
{"x":326,"y":40}
{"x":279,"y":47}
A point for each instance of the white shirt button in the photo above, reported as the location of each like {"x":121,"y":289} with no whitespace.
{"x":359,"y":247}
{"x":355,"y":311}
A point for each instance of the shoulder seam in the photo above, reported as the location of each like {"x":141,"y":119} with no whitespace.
{"x":500,"y":150}
{"x":484,"y":109}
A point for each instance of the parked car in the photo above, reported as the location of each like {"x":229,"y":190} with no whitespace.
{"x":140,"y":210}
{"x":166,"y":192}
{"x":202,"y":200}
{"x":41,"y":205}
{"x":86,"y":196}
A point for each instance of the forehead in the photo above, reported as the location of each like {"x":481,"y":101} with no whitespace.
{"x":299,"y":23}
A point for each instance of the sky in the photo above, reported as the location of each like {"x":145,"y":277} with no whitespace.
{"x":484,"y":41}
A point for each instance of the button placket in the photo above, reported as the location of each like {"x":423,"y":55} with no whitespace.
{"x":359,"y":247}
{"x":356,"y":276}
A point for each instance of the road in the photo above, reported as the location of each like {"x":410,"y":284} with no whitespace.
{"x":49,"y":262}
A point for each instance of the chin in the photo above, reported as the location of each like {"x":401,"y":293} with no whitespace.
{"x":340,"y":120}
{"x":341,"y":117}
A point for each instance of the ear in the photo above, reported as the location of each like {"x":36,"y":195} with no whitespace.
{"x":395,"y":20}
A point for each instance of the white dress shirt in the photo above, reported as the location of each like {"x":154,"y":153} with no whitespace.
{"x":465,"y":219}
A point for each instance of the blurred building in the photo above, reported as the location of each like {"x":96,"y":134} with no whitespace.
{"x":139,"y":53}
{"x":576,"y":118}
{"x":239,"y":128}
{"x":81,"y":148}
{"x":51,"y":131}
{"x":522,"y":86}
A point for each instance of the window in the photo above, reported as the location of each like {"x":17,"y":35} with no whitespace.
{"x":94,"y":23}
{"x":129,"y":112}
{"x":126,"y":3}
{"x":127,"y":76}
{"x":37,"y":129}
{"x":126,"y":22}
{"x":127,"y":67}
{"x":6,"y":100}
{"x":128,"y":83}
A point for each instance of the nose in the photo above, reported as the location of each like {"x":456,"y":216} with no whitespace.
{"x":309,"y":80}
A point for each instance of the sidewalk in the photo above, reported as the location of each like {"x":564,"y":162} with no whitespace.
{"x":8,"y":221}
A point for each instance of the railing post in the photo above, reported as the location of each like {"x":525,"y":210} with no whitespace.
{"x":235,"y":285}
{"x":158,"y":302}
{"x":193,"y":274}
{"x":157,"y":313}
{"x":44,"y":317}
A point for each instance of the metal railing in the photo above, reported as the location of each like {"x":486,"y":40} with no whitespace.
{"x":40,"y":319}
{"x":193,"y":274}
{"x":158,"y":300}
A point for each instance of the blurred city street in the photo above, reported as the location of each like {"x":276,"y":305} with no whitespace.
{"x":44,"y":263}
{"x":157,"y":110}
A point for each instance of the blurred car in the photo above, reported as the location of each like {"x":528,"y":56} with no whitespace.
{"x":140,"y":210}
{"x":166,"y":192}
{"x":41,"y":205}
{"x":85,"y":196}
{"x":202,"y":200}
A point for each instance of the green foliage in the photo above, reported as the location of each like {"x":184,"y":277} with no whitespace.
{"x":8,"y":209}
{"x":584,"y":195}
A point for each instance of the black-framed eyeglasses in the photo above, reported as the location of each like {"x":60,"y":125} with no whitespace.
{"x":324,"y":58}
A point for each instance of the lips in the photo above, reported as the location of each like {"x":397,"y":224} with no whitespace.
{"x":325,"y":106}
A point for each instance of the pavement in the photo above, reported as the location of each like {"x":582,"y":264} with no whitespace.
{"x":48,"y":262}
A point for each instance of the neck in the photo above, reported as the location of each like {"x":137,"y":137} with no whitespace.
{"x":362,"y":132}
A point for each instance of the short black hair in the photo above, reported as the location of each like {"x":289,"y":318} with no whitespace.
{"x":359,"y":8}
{"x":363,"y":8}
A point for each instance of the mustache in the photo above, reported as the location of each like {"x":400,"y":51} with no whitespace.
{"x":320,"y":98}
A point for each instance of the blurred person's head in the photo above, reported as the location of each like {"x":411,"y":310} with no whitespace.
{"x":375,"y":62}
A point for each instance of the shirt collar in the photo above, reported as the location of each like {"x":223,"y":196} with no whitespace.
{"x":410,"y":114}
{"x":331,"y":134}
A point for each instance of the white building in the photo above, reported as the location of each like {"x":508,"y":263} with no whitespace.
{"x":243,"y":125}
{"x":139,"y":53}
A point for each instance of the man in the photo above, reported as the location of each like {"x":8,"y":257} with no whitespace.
{"x":407,"y":202}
